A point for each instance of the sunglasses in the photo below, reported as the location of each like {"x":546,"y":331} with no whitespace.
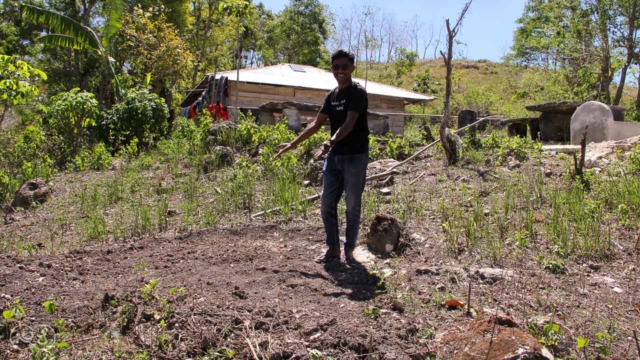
{"x":343,"y":67}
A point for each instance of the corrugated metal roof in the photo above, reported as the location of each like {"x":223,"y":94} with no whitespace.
{"x":314,"y":78}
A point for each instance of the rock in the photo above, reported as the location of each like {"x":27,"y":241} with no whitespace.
{"x":513,"y":163}
{"x":417,"y":238}
{"x":363,"y":255}
{"x":597,"y":116}
{"x":490,"y":275}
{"x":398,"y":306}
{"x":548,"y":173}
{"x":33,"y":191}
{"x":385,"y":191}
{"x":384,"y":234}
{"x":220,"y":157}
{"x":595,"y":267}
{"x":315,"y":175}
{"x":493,"y":338}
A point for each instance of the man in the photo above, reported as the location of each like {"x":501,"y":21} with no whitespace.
{"x":345,"y":167}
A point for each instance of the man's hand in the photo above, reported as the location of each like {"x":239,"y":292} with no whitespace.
{"x":324,"y":149}
{"x":282,"y":149}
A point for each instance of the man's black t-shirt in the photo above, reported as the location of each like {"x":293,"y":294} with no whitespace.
{"x":336,"y":105}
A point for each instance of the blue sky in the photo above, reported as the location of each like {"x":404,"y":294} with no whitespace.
{"x":487,"y":30}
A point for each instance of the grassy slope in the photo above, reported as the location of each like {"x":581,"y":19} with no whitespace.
{"x":488,"y":87}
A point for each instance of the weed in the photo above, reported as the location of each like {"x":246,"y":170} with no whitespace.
{"x":554,"y":266}
{"x":549,"y":335}
{"x":372,"y":312}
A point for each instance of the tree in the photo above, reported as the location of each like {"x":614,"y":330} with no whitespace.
{"x":627,"y":29}
{"x":302,"y":31}
{"x":16,"y":36}
{"x":560,"y":35}
{"x":67,"y":32}
{"x":415,"y":30}
{"x":210,"y":38}
{"x":449,"y":140}
{"x":147,"y":44}
{"x":17,"y":83}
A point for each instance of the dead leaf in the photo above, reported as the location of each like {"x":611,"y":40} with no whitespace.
{"x":453,"y":303}
{"x":538,"y":218}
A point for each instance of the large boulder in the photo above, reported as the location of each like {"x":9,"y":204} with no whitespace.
{"x":33,"y":191}
{"x":597,"y":116}
{"x":384,"y":234}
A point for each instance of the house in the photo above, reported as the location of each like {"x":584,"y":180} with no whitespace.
{"x":308,"y":85}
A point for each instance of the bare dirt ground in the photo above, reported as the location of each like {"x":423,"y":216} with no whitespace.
{"x":259,"y":285}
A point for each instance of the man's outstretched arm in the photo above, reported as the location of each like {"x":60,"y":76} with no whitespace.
{"x":306,"y":133}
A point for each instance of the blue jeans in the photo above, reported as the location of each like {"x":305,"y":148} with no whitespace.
{"x":343,"y":173}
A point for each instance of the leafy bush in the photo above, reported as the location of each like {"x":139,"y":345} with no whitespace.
{"x":634,"y":160}
{"x":17,"y":79}
{"x":141,"y":116}
{"x":189,"y":134}
{"x":67,"y":120}
{"x":398,"y":148}
{"x":97,"y":158}
{"x":518,"y":147}
{"x":23,"y":156}
{"x":374,"y":149}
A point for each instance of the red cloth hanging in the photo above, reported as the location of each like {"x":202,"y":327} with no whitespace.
{"x":218,"y":112}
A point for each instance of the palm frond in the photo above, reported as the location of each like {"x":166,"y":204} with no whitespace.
{"x":62,"y":25}
{"x":113,"y":23}
{"x":62,"y":40}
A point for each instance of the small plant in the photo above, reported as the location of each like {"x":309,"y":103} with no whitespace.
{"x":372,"y":312}
{"x":428,"y":333}
{"x":46,"y":346}
{"x":318,"y":355}
{"x":554,"y":266}
{"x":50,"y":306}
{"x":549,"y":335}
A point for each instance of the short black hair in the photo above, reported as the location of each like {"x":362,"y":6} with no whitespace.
{"x":342,"y":54}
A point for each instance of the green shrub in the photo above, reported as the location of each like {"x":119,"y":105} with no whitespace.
{"x":23,"y":156}
{"x":98,"y":158}
{"x":374,"y":149}
{"x":634,"y":161}
{"x":67,"y":120}
{"x":141,"y":116}
{"x":189,"y":134}
{"x":519,"y":148}
{"x":398,"y":148}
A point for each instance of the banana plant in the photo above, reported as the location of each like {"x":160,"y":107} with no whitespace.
{"x":66,"y":32}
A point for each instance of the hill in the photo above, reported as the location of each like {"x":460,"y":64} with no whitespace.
{"x":485,"y":86}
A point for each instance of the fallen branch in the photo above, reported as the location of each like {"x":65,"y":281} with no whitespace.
{"x":385,"y":174}
{"x":253,"y":352}
{"x":261,"y":213}
{"x":418,"y":178}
